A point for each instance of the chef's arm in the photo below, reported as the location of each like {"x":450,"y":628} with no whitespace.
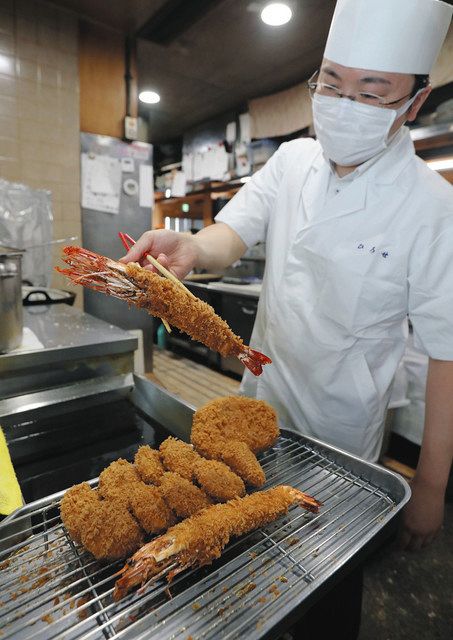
{"x":423,"y":516}
{"x":218,"y":246}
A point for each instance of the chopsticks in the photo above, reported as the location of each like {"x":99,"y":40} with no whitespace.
{"x":126,"y":239}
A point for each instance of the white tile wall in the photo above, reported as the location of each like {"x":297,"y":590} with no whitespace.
{"x":39,"y":109}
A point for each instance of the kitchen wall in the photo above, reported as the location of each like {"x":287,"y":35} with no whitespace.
{"x":39,"y":108}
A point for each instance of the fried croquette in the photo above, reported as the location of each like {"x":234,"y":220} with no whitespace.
{"x":148,"y":464}
{"x":183,"y":497}
{"x":114,"y":480}
{"x":218,"y":480}
{"x":242,"y":461}
{"x":149,"y":508}
{"x":112,"y":533}
{"x":76,"y":507}
{"x":179,"y":457}
{"x":234,"y":418}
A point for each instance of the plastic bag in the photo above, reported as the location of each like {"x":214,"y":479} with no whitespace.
{"x":25,"y":222}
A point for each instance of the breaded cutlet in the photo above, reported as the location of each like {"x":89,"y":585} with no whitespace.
{"x":218,"y":480}
{"x":76,"y":506}
{"x":149,"y":465}
{"x":178,"y":456}
{"x":183,"y":497}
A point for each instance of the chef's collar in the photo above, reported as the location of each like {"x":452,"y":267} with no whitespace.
{"x":360,"y":170}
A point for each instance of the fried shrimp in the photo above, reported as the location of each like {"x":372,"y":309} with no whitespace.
{"x":179,"y":457}
{"x":161,"y":298}
{"x":239,"y":457}
{"x":76,"y":507}
{"x":114,"y":481}
{"x":183,"y":497}
{"x":218,"y":480}
{"x":148,"y":464}
{"x":199,"y":540}
{"x":149,"y":508}
{"x":112,"y":533}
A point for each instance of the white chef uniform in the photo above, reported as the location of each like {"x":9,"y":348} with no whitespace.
{"x":339,"y":281}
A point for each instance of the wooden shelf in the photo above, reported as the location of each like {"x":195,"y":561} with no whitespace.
{"x":200,"y":203}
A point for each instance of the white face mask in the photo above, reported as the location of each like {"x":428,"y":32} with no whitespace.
{"x":351,"y":132}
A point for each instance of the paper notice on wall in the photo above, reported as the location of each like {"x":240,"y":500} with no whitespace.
{"x":101,"y":183}
{"x":146,"y":198}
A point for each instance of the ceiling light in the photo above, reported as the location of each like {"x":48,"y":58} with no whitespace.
{"x":149,"y":97}
{"x":441,"y":165}
{"x":276,"y":13}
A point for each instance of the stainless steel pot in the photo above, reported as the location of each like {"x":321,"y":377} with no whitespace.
{"x":11,"y":320}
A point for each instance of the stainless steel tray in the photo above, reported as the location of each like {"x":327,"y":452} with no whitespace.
{"x":51,"y":588}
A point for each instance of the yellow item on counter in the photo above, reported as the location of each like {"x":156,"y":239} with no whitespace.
{"x":10,"y":493}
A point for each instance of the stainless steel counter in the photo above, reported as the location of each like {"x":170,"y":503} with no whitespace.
{"x":249,"y":290}
{"x":76,"y":346}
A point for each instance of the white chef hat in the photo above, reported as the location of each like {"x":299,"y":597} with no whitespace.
{"x":400,"y":36}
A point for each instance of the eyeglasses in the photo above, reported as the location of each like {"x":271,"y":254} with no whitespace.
{"x":326,"y":89}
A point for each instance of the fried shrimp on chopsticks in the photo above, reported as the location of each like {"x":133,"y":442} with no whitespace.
{"x":161,"y":298}
{"x":199,"y":540}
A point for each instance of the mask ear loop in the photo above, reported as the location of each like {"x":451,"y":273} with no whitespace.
{"x":407,"y":105}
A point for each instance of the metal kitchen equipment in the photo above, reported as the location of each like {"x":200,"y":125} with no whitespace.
{"x":11,"y":320}
{"x":51,"y":588}
{"x":100,"y":229}
{"x":76,"y":347}
{"x":34,"y":296}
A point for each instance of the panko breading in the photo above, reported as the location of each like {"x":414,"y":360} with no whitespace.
{"x":149,"y":508}
{"x":76,"y":507}
{"x":162,"y":298}
{"x":200,"y":539}
{"x":242,"y":461}
{"x":234,"y":418}
{"x":114,"y":480}
{"x":179,"y":457}
{"x":112,"y":533}
{"x":182,"y":496}
{"x":218,"y":480}
{"x":148,"y":464}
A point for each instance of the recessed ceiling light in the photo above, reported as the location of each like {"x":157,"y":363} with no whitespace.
{"x":149,"y":97}
{"x":276,"y":13}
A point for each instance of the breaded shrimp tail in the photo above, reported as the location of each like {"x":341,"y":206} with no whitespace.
{"x":161,"y":298}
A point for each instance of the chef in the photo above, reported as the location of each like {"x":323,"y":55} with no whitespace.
{"x":359,"y":234}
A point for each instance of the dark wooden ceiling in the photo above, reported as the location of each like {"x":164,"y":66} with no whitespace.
{"x":227,"y":57}
{"x":215,"y":56}
{"x":218,"y":59}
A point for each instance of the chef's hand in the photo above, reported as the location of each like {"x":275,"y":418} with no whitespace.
{"x":422,"y":517}
{"x":175,"y":251}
